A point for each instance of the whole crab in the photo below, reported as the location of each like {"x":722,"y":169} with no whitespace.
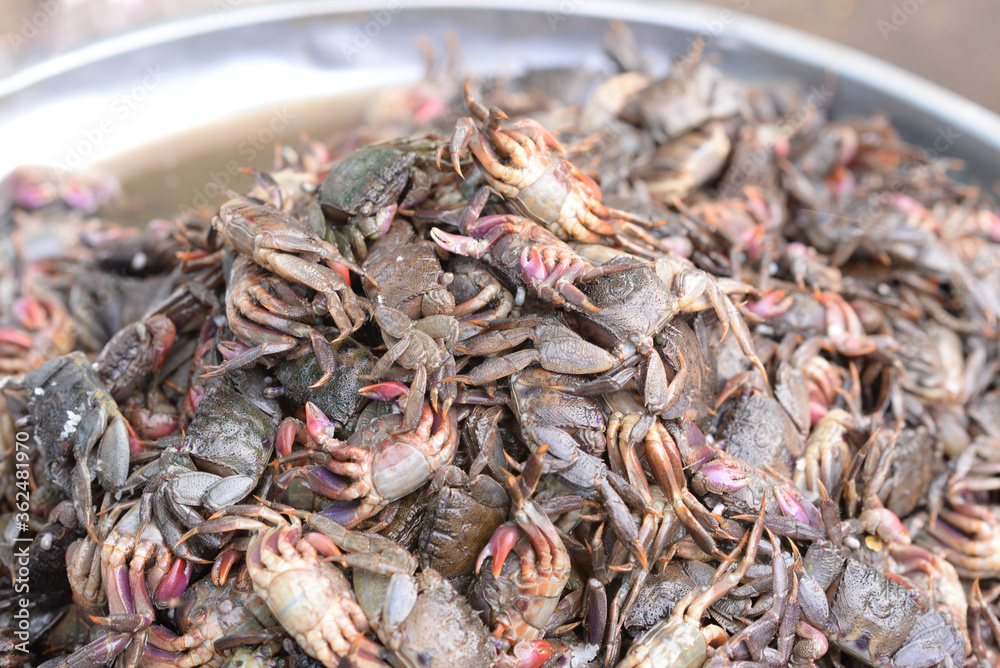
{"x":518,"y":163}
{"x":309,"y":597}
{"x":369,"y":185}
{"x":266,"y":313}
{"x":527,"y":255}
{"x":281,"y":244}
{"x":522,"y":593}
{"x":71,"y":413}
{"x":380,"y":462}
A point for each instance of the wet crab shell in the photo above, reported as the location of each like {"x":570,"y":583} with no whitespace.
{"x":229,"y":437}
{"x":367,"y":179}
{"x":458,"y":523}
{"x":631,"y":304}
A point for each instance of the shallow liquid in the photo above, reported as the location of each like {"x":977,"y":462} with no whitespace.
{"x":163,"y":179}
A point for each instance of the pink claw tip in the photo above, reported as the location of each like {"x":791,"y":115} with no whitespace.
{"x":482,"y":227}
{"x":195,"y":395}
{"x":500,"y":545}
{"x":317,"y":424}
{"x":770,"y":305}
{"x":341,"y":270}
{"x":231,"y":349}
{"x":533,"y":654}
{"x":723,"y":478}
{"x":285,"y":438}
{"x":135,"y":445}
{"x":816,"y":412}
{"x":385,"y":219}
{"x":175,"y":582}
{"x":790,"y":506}
{"x":30,"y":312}
{"x":15,"y":337}
{"x":454,"y":243}
{"x":386,"y":391}
{"x":888,"y":526}
{"x":429,"y":109}
{"x":532,"y":265}
{"x":805,"y":630}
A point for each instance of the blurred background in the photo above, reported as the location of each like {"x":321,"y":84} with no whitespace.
{"x":952,"y":44}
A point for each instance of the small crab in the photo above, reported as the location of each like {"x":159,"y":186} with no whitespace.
{"x":518,"y":163}
{"x":523,"y":592}
{"x":409,"y":274}
{"x":280,"y":243}
{"x":380,"y":462}
{"x":72,"y":412}
{"x":461,"y":516}
{"x":266,"y":313}
{"x":681,"y":639}
{"x":636,"y":304}
{"x":527,"y":255}
{"x":423,"y":347}
{"x":368,"y":186}
{"x":547,"y":417}
{"x":112,"y":571}
{"x":692,"y":94}
{"x":309,"y":597}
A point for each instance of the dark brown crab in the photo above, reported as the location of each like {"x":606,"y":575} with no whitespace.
{"x":407,"y":274}
{"x":281,"y":244}
{"x":460,"y":518}
{"x":381,"y":462}
{"x":519,"y":164}
{"x":571,"y":428}
{"x":369,"y":185}
{"x":526,"y":255}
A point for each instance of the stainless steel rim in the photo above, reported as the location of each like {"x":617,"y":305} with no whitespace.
{"x":970,"y":119}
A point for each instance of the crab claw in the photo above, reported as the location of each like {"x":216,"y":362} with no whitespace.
{"x":318,"y":424}
{"x":720,"y":477}
{"x":284,"y":440}
{"x":164,"y":335}
{"x":386,"y":391}
{"x":15,"y":337}
{"x":223,"y":564}
{"x":175,"y":582}
{"x":771,"y":305}
{"x":456,"y":243}
{"x":532,"y":654}
{"x":30,"y":312}
{"x":342,"y":270}
{"x":499,"y":546}
{"x":533,"y":265}
{"x":886,"y":525}
{"x":346,"y":513}
{"x":790,"y":506}
{"x":318,"y":479}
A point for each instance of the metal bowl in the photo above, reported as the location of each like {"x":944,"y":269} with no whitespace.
{"x":213,"y":77}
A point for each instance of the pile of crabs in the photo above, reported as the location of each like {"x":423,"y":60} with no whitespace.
{"x":571,"y":369}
